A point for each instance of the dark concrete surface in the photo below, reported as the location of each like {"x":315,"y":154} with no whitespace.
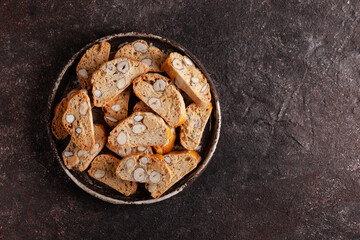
{"x":288,"y":161}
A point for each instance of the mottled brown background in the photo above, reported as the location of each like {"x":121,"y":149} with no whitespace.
{"x":288,"y":160}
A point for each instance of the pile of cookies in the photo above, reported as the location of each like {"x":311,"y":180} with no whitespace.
{"x":142,"y":142}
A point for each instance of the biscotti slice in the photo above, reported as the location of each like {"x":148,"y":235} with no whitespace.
{"x":187,"y":77}
{"x":169,"y":146}
{"x":75,"y":158}
{"x":141,"y":51}
{"x":142,"y":107}
{"x":191,"y":131}
{"x":57,"y":127}
{"x":78,"y":120}
{"x":113,"y":77}
{"x":91,"y":61}
{"x":180,"y":164}
{"x":140,"y":129}
{"x":103,"y":169}
{"x":150,"y":169}
{"x":116,"y":109}
{"x":123,"y":152}
{"x":162,"y":97}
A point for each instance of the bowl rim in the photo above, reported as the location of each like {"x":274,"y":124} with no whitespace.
{"x":216,"y":127}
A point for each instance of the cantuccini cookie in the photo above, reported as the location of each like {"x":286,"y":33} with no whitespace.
{"x":180,"y":164}
{"x":162,"y":97}
{"x":78,"y":121}
{"x":188,"y":78}
{"x":191,"y":131}
{"x":91,"y":61}
{"x":141,"y":51}
{"x":103,"y":169}
{"x":113,"y":77}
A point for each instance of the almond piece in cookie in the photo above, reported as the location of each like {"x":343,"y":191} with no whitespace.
{"x":76,"y":158}
{"x":140,"y":129}
{"x":141,"y":51}
{"x":188,"y":78}
{"x":91,"y":61}
{"x":116,"y":109}
{"x":103,"y":169}
{"x":180,"y":164}
{"x":113,"y":77}
{"x":150,"y":169}
{"x":123,"y":152}
{"x":162,"y":97}
{"x":78,"y":121}
{"x":191,"y":131}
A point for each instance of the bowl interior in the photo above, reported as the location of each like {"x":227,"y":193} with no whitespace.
{"x":67,"y":80}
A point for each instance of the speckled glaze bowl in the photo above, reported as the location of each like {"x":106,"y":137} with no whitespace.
{"x":67,"y":80}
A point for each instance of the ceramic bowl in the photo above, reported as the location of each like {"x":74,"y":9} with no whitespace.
{"x":67,"y":80}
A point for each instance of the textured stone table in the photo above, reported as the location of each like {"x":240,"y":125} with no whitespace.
{"x":288,"y":161}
